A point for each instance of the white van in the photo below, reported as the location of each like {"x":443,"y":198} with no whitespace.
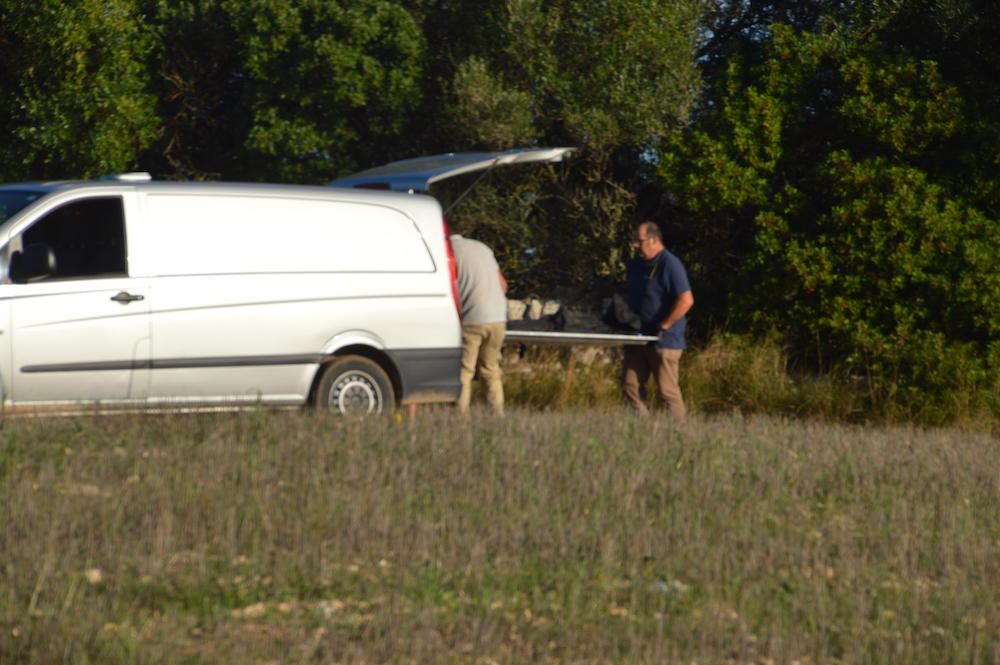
{"x":133,"y":293}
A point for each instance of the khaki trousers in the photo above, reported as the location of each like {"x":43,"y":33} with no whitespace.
{"x":481,"y":350}
{"x":664,"y":364}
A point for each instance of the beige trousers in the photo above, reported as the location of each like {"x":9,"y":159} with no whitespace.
{"x":664,"y":364}
{"x":481,"y":350}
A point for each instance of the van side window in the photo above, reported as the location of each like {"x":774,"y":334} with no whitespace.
{"x":87,"y":238}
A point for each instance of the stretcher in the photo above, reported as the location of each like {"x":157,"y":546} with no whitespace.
{"x":563,"y":338}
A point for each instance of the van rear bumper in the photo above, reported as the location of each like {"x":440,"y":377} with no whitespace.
{"x":428,"y":375}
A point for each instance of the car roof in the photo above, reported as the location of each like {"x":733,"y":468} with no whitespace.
{"x":184,"y":186}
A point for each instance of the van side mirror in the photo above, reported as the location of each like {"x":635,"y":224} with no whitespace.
{"x":34,"y":262}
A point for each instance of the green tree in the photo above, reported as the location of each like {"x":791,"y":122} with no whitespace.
{"x":296,"y":91}
{"x":76,"y":99}
{"x":960,"y":36}
{"x":607,"y":77}
{"x":826,"y":176}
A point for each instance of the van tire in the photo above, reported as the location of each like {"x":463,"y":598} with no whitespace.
{"x":355,"y":386}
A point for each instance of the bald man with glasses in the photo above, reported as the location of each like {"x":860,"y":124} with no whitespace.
{"x":658,"y":291}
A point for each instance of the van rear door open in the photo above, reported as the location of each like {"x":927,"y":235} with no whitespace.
{"x":419,"y":173}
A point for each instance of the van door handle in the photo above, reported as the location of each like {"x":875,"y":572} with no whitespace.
{"x":124,"y":297}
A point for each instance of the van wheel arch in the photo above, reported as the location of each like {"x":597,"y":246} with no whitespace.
{"x":363,"y":354}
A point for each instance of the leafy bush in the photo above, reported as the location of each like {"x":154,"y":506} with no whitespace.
{"x":75,"y":98}
{"x":831,"y":180}
{"x":758,"y":375}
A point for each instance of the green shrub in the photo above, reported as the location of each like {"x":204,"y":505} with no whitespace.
{"x":754,"y":375}
{"x":827,"y":175}
{"x":749,"y":375}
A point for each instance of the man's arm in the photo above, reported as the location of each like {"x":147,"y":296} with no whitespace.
{"x":503,"y":283}
{"x":683,"y":303}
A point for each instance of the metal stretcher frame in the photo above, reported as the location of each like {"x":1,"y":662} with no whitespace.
{"x":577,"y":338}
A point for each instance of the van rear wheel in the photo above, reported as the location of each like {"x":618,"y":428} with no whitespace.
{"x":355,"y":386}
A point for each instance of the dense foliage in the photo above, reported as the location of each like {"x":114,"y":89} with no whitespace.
{"x":828,"y":169}
{"x":608,"y":78}
{"x":834,"y":175}
{"x":284,"y":91}
{"x":76,"y":98}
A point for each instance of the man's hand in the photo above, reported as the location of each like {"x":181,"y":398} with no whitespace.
{"x":684,"y":302}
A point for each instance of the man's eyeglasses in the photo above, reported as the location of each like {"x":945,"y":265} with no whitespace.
{"x":639,"y":241}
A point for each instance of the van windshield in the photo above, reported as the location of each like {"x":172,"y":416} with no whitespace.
{"x":12,"y":201}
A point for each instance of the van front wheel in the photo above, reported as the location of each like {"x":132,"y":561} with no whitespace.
{"x":355,"y":386}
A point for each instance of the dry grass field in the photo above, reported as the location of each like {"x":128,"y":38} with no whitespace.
{"x":579,"y":536}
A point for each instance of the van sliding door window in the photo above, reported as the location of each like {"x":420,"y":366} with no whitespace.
{"x":87,"y":238}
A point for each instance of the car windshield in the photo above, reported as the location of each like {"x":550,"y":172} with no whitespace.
{"x":12,"y":201}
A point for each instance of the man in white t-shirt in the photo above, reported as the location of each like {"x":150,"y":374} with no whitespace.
{"x":482,"y":291}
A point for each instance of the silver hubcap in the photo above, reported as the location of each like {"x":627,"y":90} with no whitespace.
{"x":356,"y":393}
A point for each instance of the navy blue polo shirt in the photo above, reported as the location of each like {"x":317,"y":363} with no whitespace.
{"x":652,"y":288}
